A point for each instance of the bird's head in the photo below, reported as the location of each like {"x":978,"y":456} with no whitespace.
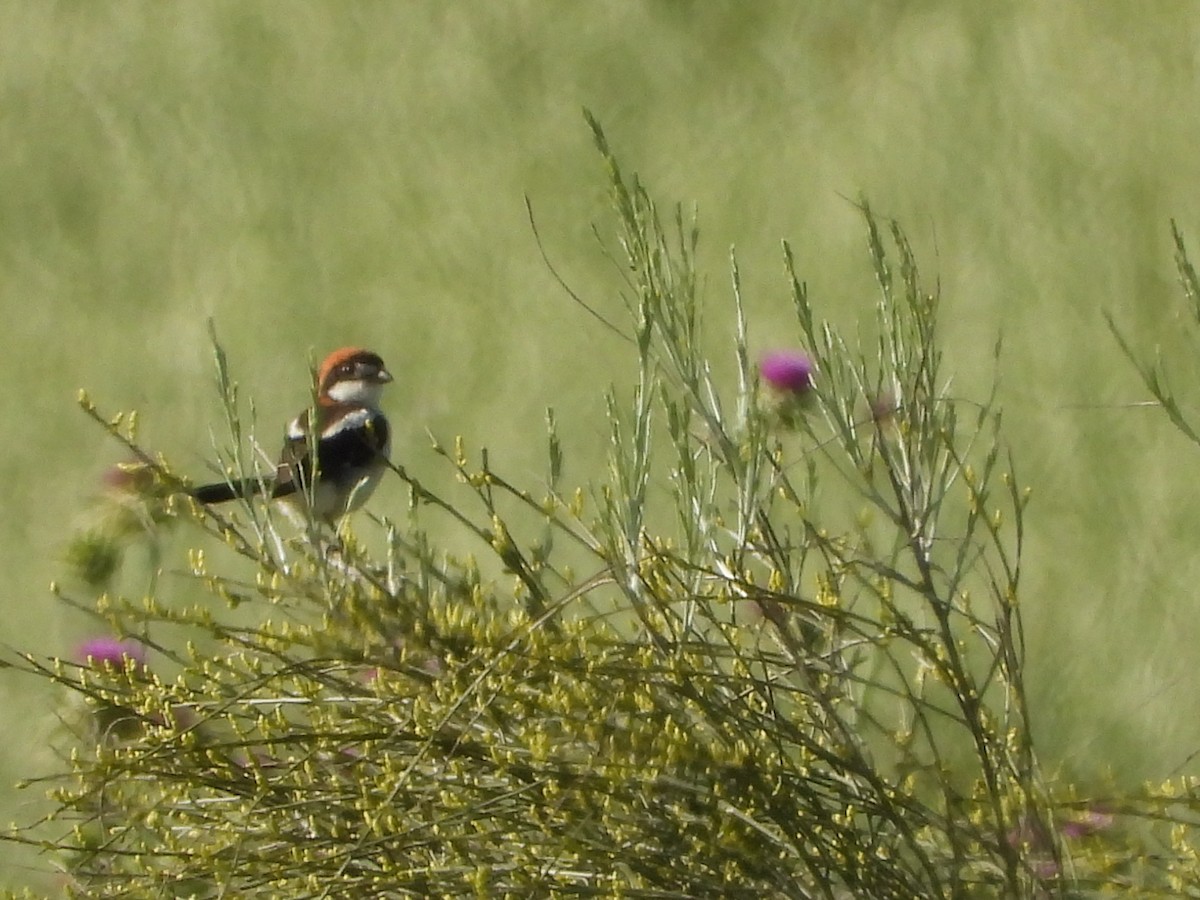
{"x":352,"y":375}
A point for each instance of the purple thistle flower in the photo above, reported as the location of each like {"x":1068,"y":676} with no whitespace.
{"x":110,"y":652}
{"x":883,"y":409}
{"x":789,"y":371}
{"x":1046,"y":869}
{"x":121,"y":477}
{"x":1087,"y":822}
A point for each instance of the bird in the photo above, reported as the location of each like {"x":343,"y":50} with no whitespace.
{"x":347,"y":431}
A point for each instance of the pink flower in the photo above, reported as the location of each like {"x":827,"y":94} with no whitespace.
{"x":110,"y":652}
{"x":883,"y":409}
{"x":131,"y":477}
{"x":1087,"y":822}
{"x":789,"y":371}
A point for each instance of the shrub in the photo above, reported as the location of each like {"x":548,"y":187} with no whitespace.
{"x":776,"y":650}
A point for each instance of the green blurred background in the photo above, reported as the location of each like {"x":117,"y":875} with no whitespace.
{"x":311,"y":175}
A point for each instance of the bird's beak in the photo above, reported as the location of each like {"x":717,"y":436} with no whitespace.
{"x":383,"y":376}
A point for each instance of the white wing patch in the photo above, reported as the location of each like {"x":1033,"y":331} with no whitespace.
{"x":352,"y":420}
{"x":297,"y":429}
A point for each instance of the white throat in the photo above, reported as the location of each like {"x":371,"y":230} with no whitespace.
{"x":356,"y":390}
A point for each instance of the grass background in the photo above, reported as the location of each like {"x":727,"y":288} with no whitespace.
{"x":329,"y":173}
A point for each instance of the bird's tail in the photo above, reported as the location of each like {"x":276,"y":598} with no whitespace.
{"x":221,"y":491}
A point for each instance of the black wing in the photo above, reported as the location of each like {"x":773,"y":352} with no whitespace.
{"x":341,"y":455}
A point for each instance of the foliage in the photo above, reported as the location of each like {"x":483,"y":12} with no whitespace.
{"x":791,"y":666}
